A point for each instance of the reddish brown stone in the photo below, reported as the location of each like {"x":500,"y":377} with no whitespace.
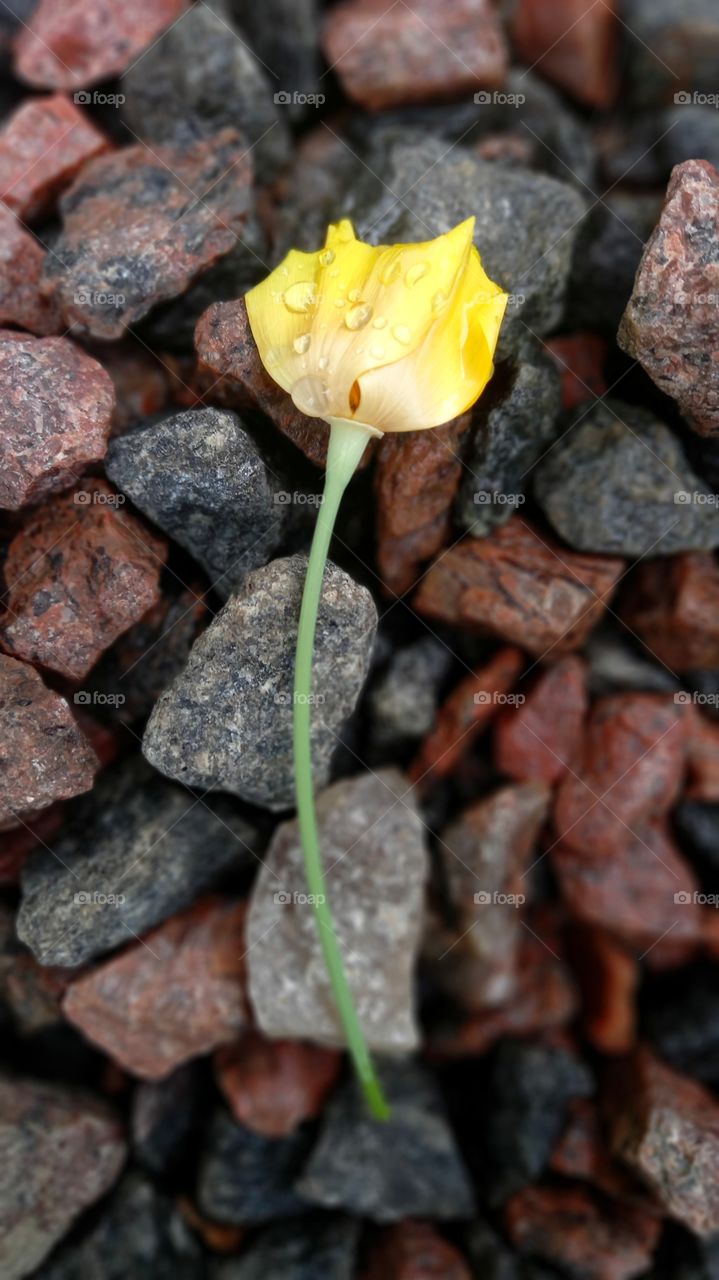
{"x":580,"y":359}
{"x":466,"y":712}
{"x":140,"y":225}
{"x":45,"y":142}
{"x":574,"y":43}
{"x":538,"y":739}
{"x":665,"y":1127}
{"x":21,"y":263}
{"x":703,"y":758}
{"x":673,"y":606}
{"x":79,"y":573}
{"x":271,"y":1086}
{"x":56,"y":406}
{"x":630,"y":771}
{"x":608,"y":975}
{"x":69,"y":44}
{"x":583,"y":1153}
{"x":671,"y":324}
{"x":176,"y":994}
{"x":584,"y":1236}
{"x":18,"y":843}
{"x":32,"y":992}
{"x":521,"y":587}
{"x":390,"y":55}
{"x":45,"y":756}
{"x":414,"y":1251}
{"x":141,"y":381}
{"x":416,"y":479}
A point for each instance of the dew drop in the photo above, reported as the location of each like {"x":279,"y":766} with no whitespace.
{"x":391,"y":271}
{"x":327,"y":257}
{"x":301,"y":344}
{"x":357,"y":317}
{"x":402,"y":334}
{"x":416,"y":273}
{"x":340,"y":302}
{"x":438,"y":300}
{"x":354,"y":295}
{"x":300,"y":297}
{"x":379,"y":322}
{"x":323,"y":362}
{"x":377,"y":351}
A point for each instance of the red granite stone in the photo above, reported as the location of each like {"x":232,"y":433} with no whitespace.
{"x":580,"y":359}
{"x":608,"y":975}
{"x":45,"y":756}
{"x":390,"y":55}
{"x":630,"y":771}
{"x":56,"y":406}
{"x":271,"y":1086}
{"x":702,"y":758}
{"x":21,"y":263}
{"x":672,"y":604}
{"x":79,"y":573}
{"x":414,"y":1251}
{"x":70,"y":44}
{"x":43,"y":144}
{"x":671,"y":324}
{"x":177,"y":993}
{"x":583,"y":1152}
{"x":538,"y":739}
{"x":585,"y":1236}
{"x":574,"y":43}
{"x":522,"y":587}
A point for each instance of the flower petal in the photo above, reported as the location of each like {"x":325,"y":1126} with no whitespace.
{"x":280,"y":310}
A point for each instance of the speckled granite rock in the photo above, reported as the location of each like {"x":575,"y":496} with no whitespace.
{"x":376,"y":897}
{"x":320,"y":1246}
{"x":226,"y":722}
{"x":246,"y":1178}
{"x":403,"y":701}
{"x":21,"y":263}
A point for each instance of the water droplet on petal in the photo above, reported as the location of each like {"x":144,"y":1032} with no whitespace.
{"x":377,"y":351}
{"x":416,"y":273}
{"x":357,"y":317}
{"x":302,"y":343}
{"x":379,"y":322}
{"x":300,"y":297}
{"x":354,"y":295}
{"x":323,"y":362}
{"x":391,"y":271}
{"x":438,"y":300}
{"x":327,"y":257}
{"x":402,"y":334}
{"x":340,"y":302}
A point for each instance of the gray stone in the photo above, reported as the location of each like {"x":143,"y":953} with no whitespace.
{"x":200,"y":477}
{"x":513,"y":424}
{"x":403,"y":701}
{"x":163,"y":1119}
{"x":405,"y":1167}
{"x":137,"y":837}
{"x":247,"y":1179}
{"x":619,"y":483}
{"x":606,"y":255}
{"x":284,"y":35}
{"x":669,"y":49}
{"x":321,"y":1246}
{"x":616,"y":666}
{"x":647,"y":149}
{"x":226,"y":722}
{"x":374,"y":853}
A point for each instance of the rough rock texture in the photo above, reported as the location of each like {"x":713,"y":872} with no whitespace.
{"x":318,"y":1246}
{"x":386,"y":57}
{"x":537,"y":740}
{"x":21,"y":263}
{"x":79,"y":573}
{"x":516,"y":585}
{"x":571,"y":42}
{"x":199,"y":476}
{"x":129,"y":860}
{"x":246,"y":1178}
{"x":172,"y":996}
{"x":68,"y":44}
{"x":403,"y":700}
{"x":582,"y":1152}
{"x":670,"y":324}
{"x":415,"y":1251}
{"x":56,"y":405}
{"x":271,"y":1086}
{"x":140,"y":225}
{"x":45,"y":755}
{"x":225,"y":722}
{"x":580,"y":359}
{"x":405,"y":1167}
{"x":375,"y":859}
{"x":673,"y":606}
{"x":46,"y":1130}
{"x":573,"y":1229}
{"x":42,"y":146}
{"x":618,"y":483}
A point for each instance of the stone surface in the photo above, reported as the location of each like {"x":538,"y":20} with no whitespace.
{"x":71,"y":45}
{"x":225,"y":722}
{"x":271,"y":1086}
{"x":680,"y":1020}
{"x":582,"y":1152}
{"x":606,"y":256}
{"x":164,"y":1119}
{"x":657,"y":33}
{"x":45,"y":755}
{"x":517,"y":585}
{"x":405,"y":1167}
{"x":284,"y":34}
{"x":43,"y":145}
{"x":246,"y":1178}
{"x":128,"y":861}
{"x":172,"y":996}
{"x":618,"y":483}
{"x":387,"y":57}
{"x":670,"y":324}
{"x":45,"y":1131}
{"x":571,"y":1228}
{"x":79,"y":573}
{"x":199,"y":476}
{"x":403,"y":700}
{"x":415,"y":1251}
{"x":608,"y":975}
{"x":21,"y":263}
{"x":673,"y":606}
{"x":374,"y":852}
{"x":57,"y":404}
{"x":318,"y":1246}
{"x":573,"y":43}
{"x":580,"y":359}
{"x":539,"y":739}
{"x":140,"y":225}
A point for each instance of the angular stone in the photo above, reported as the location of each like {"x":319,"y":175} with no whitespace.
{"x":656,"y":32}
{"x":618,"y":483}
{"x":21,"y":263}
{"x":673,"y":606}
{"x":172,"y":996}
{"x":573,"y":43}
{"x":583,"y":1153}
{"x":584,"y":1236}
{"x":703,"y":758}
{"x":390,"y":57}
{"x":415,"y":1251}
{"x":516,"y":586}
{"x":539,"y":739}
{"x":79,"y":573}
{"x":46,"y":756}
{"x":670,"y":324}
{"x":377,"y":897}
{"x":43,"y":145}
{"x":284,"y":34}
{"x":73,"y":44}
{"x":606,"y":256}
{"x":318,"y":1246}
{"x":271,"y":1086}
{"x":580,"y":359}
{"x":226,"y":722}
{"x":403,"y":701}
{"x":164,"y":1120}
{"x":246,"y":1178}
{"x":45,"y":1131}
{"x":140,"y":225}
{"x":129,"y":861}
{"x":55,"y":415}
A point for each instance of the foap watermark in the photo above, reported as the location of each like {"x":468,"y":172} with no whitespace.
{"x":695,"y":899}
{"x":495,"y":898}
{"x":98,"y":298}
{"x":485,"y":98}
{"x":696,"y":99}
{"x":487,"y":696}
{"x":285,"y":899}
{"x":283,"y":498}
{"x":283,"y":699}
{"x":489,"y":497}
{"x":93,"y":698}
{"x":294,"y":98}
{"x":86,"y":898}
{"x":684,"y":699}
{"x":685,"y":498}
{"x":96,"y":498}
{"x":85,"y":98}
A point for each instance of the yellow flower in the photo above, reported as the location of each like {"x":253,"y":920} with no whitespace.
{"x":396,"y":338}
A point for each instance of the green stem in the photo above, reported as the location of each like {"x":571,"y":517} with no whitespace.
{"x":347,"y":444}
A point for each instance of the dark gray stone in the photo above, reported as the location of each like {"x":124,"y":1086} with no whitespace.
{"x":284,"y":35}
{"x":616,"y":666}
{"x":163,"y":1119}
{"x":680,"y":1020}
{"x":606,"y":255}
{"x":226,"y":723}
{"x":647,"y":149}
{"x":200,"y":477}
{"x":697,"y":825}
{"x":404,"y":1167}
{"x":137,"y":837}
{"x":247,"y":1179}
{"x":669,"y":49}
{"x":322,"y":1246}
{"x":403,"y":701}
{"x":618,"y":483}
